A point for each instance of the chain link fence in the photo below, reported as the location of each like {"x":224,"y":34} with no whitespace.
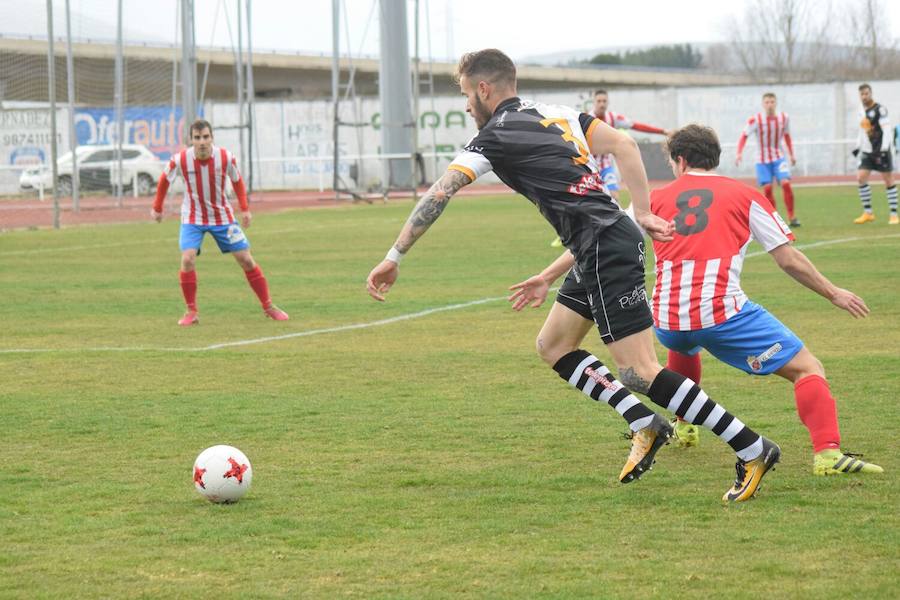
{"x":119,"y":110}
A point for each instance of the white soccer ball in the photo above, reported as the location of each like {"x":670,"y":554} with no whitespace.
{"x":222,"y":474}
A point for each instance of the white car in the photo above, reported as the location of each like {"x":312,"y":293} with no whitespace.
{"x":98,"y":169}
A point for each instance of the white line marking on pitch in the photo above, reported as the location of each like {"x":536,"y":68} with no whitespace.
{"x":830,"y":243}
{"x":67,"y":248}
{"x":309,"y":332}
{"x":380,"y":322}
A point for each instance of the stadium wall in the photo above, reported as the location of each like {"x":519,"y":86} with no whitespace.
{"x":293,"y":146}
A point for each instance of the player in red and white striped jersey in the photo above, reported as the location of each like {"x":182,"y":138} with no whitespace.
{"x":698,"y":274}
{"x":616,"y":121}
{"x":698,"y":301}
{"x":772,"y":129}
{"x":205,"y":197}
{"x":205,"y":209}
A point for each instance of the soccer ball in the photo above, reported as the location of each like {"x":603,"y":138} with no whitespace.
{"x":222,"y":474}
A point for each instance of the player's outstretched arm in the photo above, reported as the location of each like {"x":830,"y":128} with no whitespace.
{"x":426,"y":212}
{"x":430,"y":207}
{"x":794,"y":263}
{"x":606,"y":140}
{"x":533,"y":291}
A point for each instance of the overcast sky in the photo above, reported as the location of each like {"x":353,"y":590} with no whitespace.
{"x":522,"y":28}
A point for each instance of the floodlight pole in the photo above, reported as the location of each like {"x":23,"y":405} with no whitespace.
{"x":251,"y":93}
{"x":120,"y":101}
{"x":188,"y":66}
{"x":240,"y":82}
{"x":335,"y":74}
{"x":395,"y":93}
{"x":415,"y":115}
{"x":70,"y":84}
{"x":51,"y":74}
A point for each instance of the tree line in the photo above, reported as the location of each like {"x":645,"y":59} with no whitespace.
{"x":682,"y":56}
{"x":785,"y":41}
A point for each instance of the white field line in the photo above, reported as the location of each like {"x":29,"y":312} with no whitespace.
{"x":829,"y":243}
{"x":309,"y":332}
{"x":366,"y":325}
{"x":67,"y":248}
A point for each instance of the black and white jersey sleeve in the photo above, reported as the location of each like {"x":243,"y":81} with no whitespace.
{"x":478,"y":156}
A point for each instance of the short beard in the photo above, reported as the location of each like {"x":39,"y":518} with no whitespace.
{"x":481,"y":113}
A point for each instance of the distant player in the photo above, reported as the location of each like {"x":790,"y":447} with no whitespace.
{"x":205,"y":209}
{"x":771,"y":129}
{"x":873,"y":147}
{"x":605,"y":161}
{"x":616,"y":121}
{"x":698,"y":301}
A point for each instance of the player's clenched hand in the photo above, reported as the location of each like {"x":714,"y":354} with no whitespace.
{"x":737,"y":160}
{"x":531,"y":292}
{"x":850,"y":302}
{"x":156,"y":216}
{"x":656,"y":227}
{"x":246,"y":218}
{"x":381,"y":279}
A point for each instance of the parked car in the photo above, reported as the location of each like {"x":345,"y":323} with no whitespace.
{"x":97,"y":170}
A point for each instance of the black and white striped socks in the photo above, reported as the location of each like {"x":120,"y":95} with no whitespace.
{"x":585,"y":371}
{"x":670,"y":390}
{"x":683,"y":397}
{"x":865,"y":196}
{"x":892,"y":199}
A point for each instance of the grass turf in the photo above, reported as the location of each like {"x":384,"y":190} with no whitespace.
{"x":435,"y":457}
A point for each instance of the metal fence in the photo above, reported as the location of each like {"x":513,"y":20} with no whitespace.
{"x":119,"y":93}
{"x":120,"y":111}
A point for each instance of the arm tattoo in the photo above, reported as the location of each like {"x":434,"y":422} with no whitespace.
{"x":633,"y":381}
{"x":430,"y":207}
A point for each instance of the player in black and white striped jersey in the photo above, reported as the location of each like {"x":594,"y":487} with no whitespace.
{"x":874,"y":150}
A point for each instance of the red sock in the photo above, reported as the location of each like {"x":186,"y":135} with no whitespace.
{"x":189,"y":288}
{"x":258,"y":282}
{"x":768,"y":193}
{"x":686,"y":365}
{"x":818,"y":411}
{"x":788,"y":198}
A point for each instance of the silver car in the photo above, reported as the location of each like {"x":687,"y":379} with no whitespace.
{"x":98,"y":170}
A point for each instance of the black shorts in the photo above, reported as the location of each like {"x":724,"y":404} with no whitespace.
{"x":606,"y":285}
{"x":883,"y":162}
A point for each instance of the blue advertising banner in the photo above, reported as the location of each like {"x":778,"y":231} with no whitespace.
{"x":159,"y":128}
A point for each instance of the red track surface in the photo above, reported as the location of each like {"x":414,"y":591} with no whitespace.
{"x":25,"y":214}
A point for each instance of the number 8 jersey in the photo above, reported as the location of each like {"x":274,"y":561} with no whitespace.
{"x":698,"y":274}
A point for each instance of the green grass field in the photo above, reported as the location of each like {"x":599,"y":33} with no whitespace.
{"x":435,"y":457}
